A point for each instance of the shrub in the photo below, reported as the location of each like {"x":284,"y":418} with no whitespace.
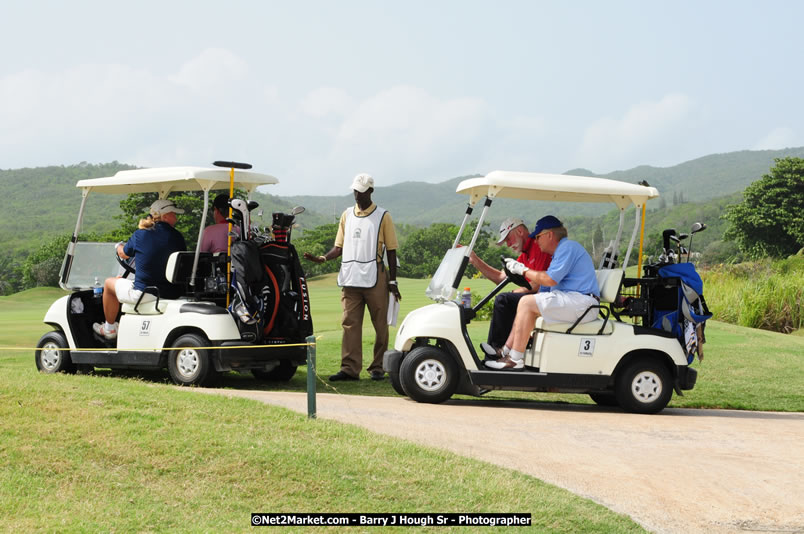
{"x":762,"y":294}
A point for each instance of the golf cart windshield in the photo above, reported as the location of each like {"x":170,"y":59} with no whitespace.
{"x":92,"y":262}
{"x":533,"y":186}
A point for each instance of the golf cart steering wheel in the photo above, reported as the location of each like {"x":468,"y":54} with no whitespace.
{"x":518,"y":279}
{"x":127,"y":265}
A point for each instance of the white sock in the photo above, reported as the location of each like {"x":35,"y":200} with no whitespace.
{"x":516,"y":355}
{"x":506,"y":350}
{"x":110,"y":327}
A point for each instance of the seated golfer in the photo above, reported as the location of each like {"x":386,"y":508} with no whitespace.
{"x":513,"y":233}
{"x":151,"y":244}
{"x":573,"y":288}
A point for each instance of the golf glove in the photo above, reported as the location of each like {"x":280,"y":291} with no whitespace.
{"x":515,"y":267}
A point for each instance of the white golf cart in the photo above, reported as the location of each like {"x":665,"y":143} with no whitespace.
{"x":195,"y":336}
{"x":614,"y":361}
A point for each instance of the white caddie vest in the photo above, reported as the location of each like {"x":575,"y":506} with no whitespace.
{"x":361,"y":236}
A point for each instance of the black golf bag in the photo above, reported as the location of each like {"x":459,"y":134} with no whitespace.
{"x":270,"y":298}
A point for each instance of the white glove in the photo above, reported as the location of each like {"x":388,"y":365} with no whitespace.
{"x":515,"y":267}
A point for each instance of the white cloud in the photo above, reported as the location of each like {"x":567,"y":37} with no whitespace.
{"x":642,"y":133}
{"x":404,"y":130}
{"x":106,"y":112}
{"x":326,"y":101}
{"x":776,"y":139}
{"x":211,"y":68}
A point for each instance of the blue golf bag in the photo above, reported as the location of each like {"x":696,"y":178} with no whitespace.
{"x":682,"y":309}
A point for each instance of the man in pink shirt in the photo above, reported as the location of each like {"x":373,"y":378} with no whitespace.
{"x":215,"y":235}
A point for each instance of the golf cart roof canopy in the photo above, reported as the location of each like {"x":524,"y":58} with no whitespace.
{"x":164,"y":180}
{"x":555,"y":187}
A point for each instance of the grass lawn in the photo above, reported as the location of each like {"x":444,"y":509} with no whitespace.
{"x":116,"y":452}
{"x":119,"y":452}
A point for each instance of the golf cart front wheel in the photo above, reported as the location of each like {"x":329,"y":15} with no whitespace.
{"x":51,"y":355}
{"x":645,"y":386}
{"x":189,"y":364}
{"x":393,"y":377}
{"x":428,"y":374}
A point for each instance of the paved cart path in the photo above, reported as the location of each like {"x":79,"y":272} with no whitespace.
{"x":677,"y":472}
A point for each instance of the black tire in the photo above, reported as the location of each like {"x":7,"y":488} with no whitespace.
{"x":48,"y":356}
{"x":393,"y":376}
{"x":428,"y":374}
{"x":644,"y":386}
{"x":191,"y":366}
{"x":281,"y":373}
{"x":604,"y":399}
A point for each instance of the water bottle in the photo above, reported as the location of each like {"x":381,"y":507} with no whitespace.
{"x":466,"y":298}
{"x":97,"y":289}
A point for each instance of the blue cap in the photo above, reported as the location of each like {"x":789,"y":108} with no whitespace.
{"x":545,"y":223}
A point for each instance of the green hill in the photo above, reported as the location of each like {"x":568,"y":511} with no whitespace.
{"x":699,"y":180}
{"x":45,"y":201}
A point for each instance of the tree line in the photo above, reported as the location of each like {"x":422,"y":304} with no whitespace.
{"x":767,"y":223}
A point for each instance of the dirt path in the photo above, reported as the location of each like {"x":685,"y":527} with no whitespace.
{"x":681,"y":471}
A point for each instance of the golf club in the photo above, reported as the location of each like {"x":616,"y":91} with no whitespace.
{"x":680,"y":250}
{"x":667,"y":256}
{"x":696,"y":227}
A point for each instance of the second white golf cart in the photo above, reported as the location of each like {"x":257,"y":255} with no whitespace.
{"x":194,"y":336}
{"x":614,"y":361}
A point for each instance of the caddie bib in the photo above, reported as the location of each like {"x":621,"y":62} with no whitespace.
{"x":361,"y":237}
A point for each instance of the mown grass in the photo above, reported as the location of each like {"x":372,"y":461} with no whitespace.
{"x":112,"y":452}
{"x":764,"y":294}
{"x":92,"y":454}
{"x":743,"y":368}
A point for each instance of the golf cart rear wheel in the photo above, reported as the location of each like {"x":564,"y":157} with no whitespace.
{"x":190,"y":365}
{"x":50,"y":356}
{"x":281,"y":373}
{"x":428,"y":374}
{"x":645,"y":386}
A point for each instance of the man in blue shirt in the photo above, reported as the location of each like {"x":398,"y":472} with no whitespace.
{"x":152,"y":245}
{"x":572,"y":284}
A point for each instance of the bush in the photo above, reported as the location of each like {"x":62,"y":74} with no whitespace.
{"x":763,"y":294}
{"x":46,"y":273}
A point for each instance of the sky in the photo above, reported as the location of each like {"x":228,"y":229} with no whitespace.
{"x":314,"y":92}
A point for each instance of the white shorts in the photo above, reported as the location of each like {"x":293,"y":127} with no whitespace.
{"x":565,"y":306}
{"x":124,"y":289}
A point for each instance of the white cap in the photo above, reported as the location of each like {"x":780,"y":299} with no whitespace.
{"x":507,"y":225}
{"x":163,"y":206}
{"x":362,"y":182}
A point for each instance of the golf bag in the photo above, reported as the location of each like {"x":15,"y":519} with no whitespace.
{"x":251,"y":289}
{"x":288,"y":316}
{"x":270,"y":300}
{"x":682,"y":308}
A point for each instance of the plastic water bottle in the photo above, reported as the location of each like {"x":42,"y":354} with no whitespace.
{"x":97,"y":289}
{"x":466,"y":298}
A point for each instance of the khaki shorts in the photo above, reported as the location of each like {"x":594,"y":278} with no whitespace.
{"x":124,"y":289}
{"x":565,"y":306}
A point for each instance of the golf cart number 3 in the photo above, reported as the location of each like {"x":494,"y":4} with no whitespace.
{"x":587,"y":347}
{"x":145,"y":328}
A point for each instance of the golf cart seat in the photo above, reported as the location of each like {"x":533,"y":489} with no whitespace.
{"x":146,"y":306}
{"x":609,"y":281}
{"x":179,"y":270}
